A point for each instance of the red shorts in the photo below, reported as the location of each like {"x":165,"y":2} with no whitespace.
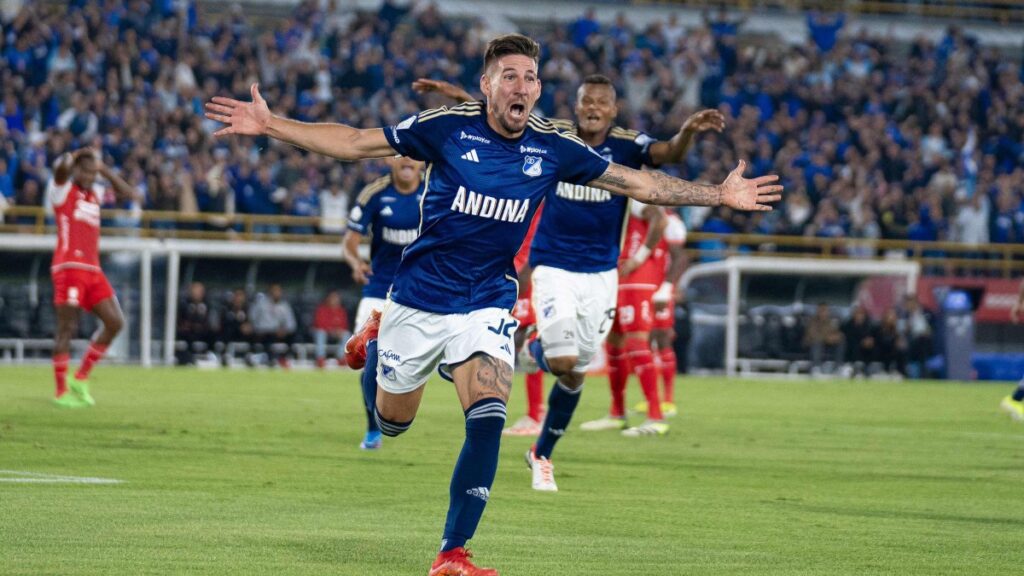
{"x":664,"y":319}
{"x":82,"y":288}
{"x":634,"y":311}
{"x":524,"y":309}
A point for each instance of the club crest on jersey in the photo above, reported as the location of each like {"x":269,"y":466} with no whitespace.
{"x":531,"y":166}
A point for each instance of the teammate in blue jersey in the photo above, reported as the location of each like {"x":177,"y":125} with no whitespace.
{"x":575,"y":252}
{"x":489,"y":165}
{"x":388,"y":210}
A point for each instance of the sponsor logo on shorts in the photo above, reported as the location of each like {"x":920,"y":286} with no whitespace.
{"x":390,"y":355}
{"x":389,"y":372}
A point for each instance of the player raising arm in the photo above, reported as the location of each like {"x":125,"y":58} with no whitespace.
{"x":78,"y":282}
{"x":489,"y":166}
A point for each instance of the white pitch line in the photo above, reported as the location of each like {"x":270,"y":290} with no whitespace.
{"x":22,"y":477}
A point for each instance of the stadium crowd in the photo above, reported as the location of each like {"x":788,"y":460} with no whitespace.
{"x":873,"y":138}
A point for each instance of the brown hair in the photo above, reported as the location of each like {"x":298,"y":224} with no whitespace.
{"x":511,"y":44}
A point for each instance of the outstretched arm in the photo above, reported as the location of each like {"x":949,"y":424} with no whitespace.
{"x":334,"y":140}
{"x":672,"y":151}
{"x":447,"y":89}
{"x":653,"y":187}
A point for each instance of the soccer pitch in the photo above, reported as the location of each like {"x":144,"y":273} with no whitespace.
{"x":240,"y":472}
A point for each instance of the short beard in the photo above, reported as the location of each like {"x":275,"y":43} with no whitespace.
{"x":509,"y":128}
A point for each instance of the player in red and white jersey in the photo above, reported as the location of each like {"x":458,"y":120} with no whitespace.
{"x":671,"y":258}
{"x":629,"y":348}
{"x":528,"y":425}
{"x":78,"y":282}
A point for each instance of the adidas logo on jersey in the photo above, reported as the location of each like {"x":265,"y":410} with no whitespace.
{"x":387,"y":211}
{"x":505,"y":210}
{"x":471,"y":156}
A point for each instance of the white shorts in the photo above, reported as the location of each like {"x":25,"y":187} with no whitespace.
{"x":367,"y":305}
{"x":412,"y":343}
{"x":574,"y":310}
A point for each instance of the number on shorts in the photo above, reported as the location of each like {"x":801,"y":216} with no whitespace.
{"x":606,"y":324}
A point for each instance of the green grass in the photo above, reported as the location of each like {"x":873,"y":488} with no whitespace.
{"x":258,"y":473}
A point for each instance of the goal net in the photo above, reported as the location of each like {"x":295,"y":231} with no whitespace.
{"x":746,"y":312}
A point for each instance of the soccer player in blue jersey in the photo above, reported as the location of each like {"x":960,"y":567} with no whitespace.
{"x":388,"y":210}
{"x":575,"y":254}
{"x":489,"y":164}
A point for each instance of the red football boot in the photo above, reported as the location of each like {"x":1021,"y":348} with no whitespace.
{"x":455,"y":562}
{"x":355,"y":348}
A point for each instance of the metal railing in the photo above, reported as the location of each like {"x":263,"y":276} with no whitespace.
{"x":187,"y":226}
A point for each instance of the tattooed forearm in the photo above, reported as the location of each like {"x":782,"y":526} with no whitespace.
{"x":671,"y":191}
{"x":655,"y":187}
{"x":612,"y":182}
{"x":493,"y":378}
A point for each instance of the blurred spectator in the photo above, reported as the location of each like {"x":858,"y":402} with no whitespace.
{"x":273,"y":323}
{"x":303,"y":202}
{"x":236,"y":323}
{"x":6,"y":179}
{"x":891,"y":344}
{"x":824,"y":29}
{"x":916,"y":326}
{"x":860,"y":336}
{"x":824,"y":339}
{"x":330,"y":325}
{"x":333,"y":209}
{"x":196,"y":324}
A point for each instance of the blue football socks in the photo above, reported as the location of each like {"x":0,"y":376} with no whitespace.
{"x":561,"y":405}
{"x":368,"y":381}
{"x":474,"y":471}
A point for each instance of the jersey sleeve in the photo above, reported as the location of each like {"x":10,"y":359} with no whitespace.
{"x":643,"y":143}
{"x":421,"y":136}
{"x":361,"y":215}
{"x":57,"y":194}
{"x":675,"y":231}
{"x":577,"y":162}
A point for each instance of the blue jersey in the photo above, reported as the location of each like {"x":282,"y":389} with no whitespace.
{"x":581,"y":227}
{"x":392,"y":220}
{"x":480,"y":194}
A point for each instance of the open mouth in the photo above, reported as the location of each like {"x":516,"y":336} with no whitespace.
{"x":517,"y":111}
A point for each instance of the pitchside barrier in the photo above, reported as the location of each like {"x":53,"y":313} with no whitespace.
{"x":146,"y":249}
